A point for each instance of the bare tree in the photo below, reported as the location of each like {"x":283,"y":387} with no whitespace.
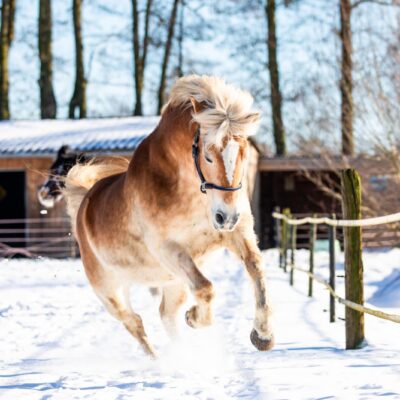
{"x":78,"y":100}
{"x":273,"y":68}
{"x":346,"y":81}
{"x":48,"y":105}
{"x":179,"y":68}
{"x":140,"y":52}
{"x":167,"y":52}
{"x":6,"y":37}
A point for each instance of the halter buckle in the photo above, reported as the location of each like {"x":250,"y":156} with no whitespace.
{"x":203,"y":187}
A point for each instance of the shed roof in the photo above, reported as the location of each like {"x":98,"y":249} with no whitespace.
{"x":371,"y":164}
{"x":21,"y":138}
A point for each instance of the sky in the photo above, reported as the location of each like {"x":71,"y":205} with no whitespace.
{"x":309,"y":52}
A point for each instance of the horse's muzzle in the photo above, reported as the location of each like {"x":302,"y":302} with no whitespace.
{"x":225,"y":222}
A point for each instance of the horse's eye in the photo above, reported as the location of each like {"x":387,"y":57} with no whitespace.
{"x":208,"y":159}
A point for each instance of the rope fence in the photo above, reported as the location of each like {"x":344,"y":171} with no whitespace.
{"x":348,"y":303}
{"x":286,"y":233}
{"x":386,"y":219}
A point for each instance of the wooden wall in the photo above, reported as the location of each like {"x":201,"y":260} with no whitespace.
{"x":35,"y":169}
{"x":44,"y":235}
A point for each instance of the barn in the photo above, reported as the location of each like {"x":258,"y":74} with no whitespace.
{"x":27,"y":149}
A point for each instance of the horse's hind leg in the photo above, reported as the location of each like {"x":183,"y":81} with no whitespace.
{"x":117,"y":302}
{"x":173,"y":297}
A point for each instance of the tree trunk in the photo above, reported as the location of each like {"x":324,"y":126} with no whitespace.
{"x":48,"y":106}
{"x":167,"y":51}
{"x":136,"y":59}
{"x":179,"y":71}
{"x":6,"y":36}
{"x":78,"y":99}
{"x":145,"y":39}
{"x":11,"y":19}
{"x":276,"y":97}
{"x":346,"y":82}
{"x":140,"y":52}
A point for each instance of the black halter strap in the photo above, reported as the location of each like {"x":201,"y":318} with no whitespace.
{"x":204,"y":184}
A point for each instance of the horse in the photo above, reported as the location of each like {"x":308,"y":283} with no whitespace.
{"x":182,"y":196}
{"x":50,"y":192}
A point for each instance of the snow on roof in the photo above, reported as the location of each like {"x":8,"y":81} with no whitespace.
{"x":47,"y":136}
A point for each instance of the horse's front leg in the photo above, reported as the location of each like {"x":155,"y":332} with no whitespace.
{"x":245,"y":246}
{"x":180,"y":264}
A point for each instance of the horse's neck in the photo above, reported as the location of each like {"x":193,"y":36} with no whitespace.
{"x":167,"y":150}
{"x":175,"y":133}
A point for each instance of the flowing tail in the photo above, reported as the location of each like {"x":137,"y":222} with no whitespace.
{"x":82,"y":177}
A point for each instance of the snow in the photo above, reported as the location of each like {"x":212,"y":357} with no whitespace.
{"x":33,"y":137}
{"x":57,"y":342}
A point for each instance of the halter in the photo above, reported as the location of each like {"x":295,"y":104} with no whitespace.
{"x":204,"y":184}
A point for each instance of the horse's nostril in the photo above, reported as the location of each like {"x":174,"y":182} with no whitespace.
{"x":220,"y":218}
{"x":235,"y":218}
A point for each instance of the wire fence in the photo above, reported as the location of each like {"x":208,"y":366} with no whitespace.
{"x":37,"y":237}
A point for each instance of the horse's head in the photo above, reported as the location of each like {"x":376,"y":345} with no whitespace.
{"x":222,"y":157}
{"x":51,"y":191}
{"x":223,"y":166}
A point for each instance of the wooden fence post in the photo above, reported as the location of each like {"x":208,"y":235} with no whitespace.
{"x":285,"y":237}
{"x":282,"y":248}
{"x":293,"y":237}
{"x":332,"y":270}
{"x":277,"y":237}
{"x":351,"y":205}
{"x":278,"y":231}
{"x":313,"y":236}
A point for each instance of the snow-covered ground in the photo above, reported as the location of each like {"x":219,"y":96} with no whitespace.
{"x":57,"y":342}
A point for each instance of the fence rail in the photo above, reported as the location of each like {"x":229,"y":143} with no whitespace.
{"x":33,"y":237}
{"x":287,"y":235}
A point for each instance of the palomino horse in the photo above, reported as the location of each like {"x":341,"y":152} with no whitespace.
{"x":152,"y":225}
{"x":50,"y":192}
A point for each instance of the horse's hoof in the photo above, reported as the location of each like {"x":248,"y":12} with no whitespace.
{"x":190,"y":317}
{"x":261,"y":344}
{"x":193,"y":318}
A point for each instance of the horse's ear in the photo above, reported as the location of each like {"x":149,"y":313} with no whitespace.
{"x":81,"y":158}
{"x":63,"y":150}
{"x":197,"y":107}
{"x":252,"y":117}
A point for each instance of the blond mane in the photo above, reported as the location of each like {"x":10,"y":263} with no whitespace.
{"x":227,"y":110}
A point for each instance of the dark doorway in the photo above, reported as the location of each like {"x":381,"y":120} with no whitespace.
{"x":293,"y":190}
{"x":12,"y":209}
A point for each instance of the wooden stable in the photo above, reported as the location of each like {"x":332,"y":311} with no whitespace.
{"x":33,"y":170}
{"x":24,"y":224}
